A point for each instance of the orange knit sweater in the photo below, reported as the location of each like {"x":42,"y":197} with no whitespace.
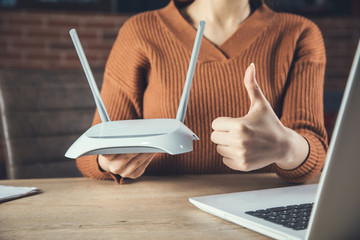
{"x":146,"y":71}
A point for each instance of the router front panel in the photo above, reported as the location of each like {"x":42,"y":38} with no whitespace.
{"x":123,"y":150}
{"x":176,"y":142}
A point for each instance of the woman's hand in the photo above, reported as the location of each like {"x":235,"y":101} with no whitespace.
{"x":259,"y":138}
{"x":131,"y":165}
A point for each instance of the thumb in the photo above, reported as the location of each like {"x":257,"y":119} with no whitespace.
{"x":252,"y":87}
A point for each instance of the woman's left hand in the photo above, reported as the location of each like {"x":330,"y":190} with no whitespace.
{"x":259,"y":138}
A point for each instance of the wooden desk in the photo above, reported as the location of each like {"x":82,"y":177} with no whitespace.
{"x":148,"y":208}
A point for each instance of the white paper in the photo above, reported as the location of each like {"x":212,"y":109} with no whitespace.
{"x":9,"y":192}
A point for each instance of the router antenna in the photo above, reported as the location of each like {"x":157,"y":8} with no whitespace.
{"x":94,"y":89}
{"x":190,"y":74}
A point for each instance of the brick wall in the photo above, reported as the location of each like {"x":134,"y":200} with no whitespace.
{"x":42,"y":41}
{"x":39,"y":40}
{"x":341,"y":36}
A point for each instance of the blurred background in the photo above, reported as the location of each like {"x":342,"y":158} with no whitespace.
{"x":45,"y":101}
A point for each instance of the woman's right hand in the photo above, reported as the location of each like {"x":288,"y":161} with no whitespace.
{"x":131,"y":165}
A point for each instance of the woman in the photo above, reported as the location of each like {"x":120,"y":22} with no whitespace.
{"x":268,"y":121}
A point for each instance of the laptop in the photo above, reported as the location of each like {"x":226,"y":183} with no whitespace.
{"x":328,"y":210}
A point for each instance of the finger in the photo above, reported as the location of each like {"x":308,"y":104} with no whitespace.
{"x":118,"y":163}
{"x":107,"y":157}
{"x":141,"y":168}
{"x":245,"y":165}
{"x":231,"y":163}
{"x":255,"y":94}
{"x":103,"y":163}
{"x":238,"y":165}
{"x":224,"y":124}
{"x":125,"y":157}
{"x":229,"y":152}
{"x":140,"y":161}
{"x":221,"y":138}
{"x":128,"y":156}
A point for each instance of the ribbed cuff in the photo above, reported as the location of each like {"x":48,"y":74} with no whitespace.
{"x":89,"y":167}
{"x":311,"y":167}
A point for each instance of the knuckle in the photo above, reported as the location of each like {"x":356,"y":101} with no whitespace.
{"x":135,"y":170}
{"x":130,"y":171}
{"x":115,"y":169}
{"x":241,"y":128}
{"x":244,"y":128}
{"x":245,"y":166}
{"x":245,"y":144}
{"x":240,"y":143}
{"x":242,"y":162}
{"x":137,"y":173}
{"x":239,"y":154}
{"x":126,"y":173}
{"x":107,"y":157}
{"x":241,"y":166}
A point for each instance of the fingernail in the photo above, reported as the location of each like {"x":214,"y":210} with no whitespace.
{"x":256,"y":83}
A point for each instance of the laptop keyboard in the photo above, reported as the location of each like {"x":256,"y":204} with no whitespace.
{"x":292,"y":216}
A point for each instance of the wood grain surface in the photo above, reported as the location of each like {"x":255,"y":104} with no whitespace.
{"x":147,"y":208}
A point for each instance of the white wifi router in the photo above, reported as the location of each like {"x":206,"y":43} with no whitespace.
{"x":141,"y":135}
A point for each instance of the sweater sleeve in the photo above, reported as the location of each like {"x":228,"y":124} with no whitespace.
{"x":122,"y":89}
{"x":303,"y":103}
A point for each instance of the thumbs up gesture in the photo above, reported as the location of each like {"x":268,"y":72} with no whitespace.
{"x":259,"y":138}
